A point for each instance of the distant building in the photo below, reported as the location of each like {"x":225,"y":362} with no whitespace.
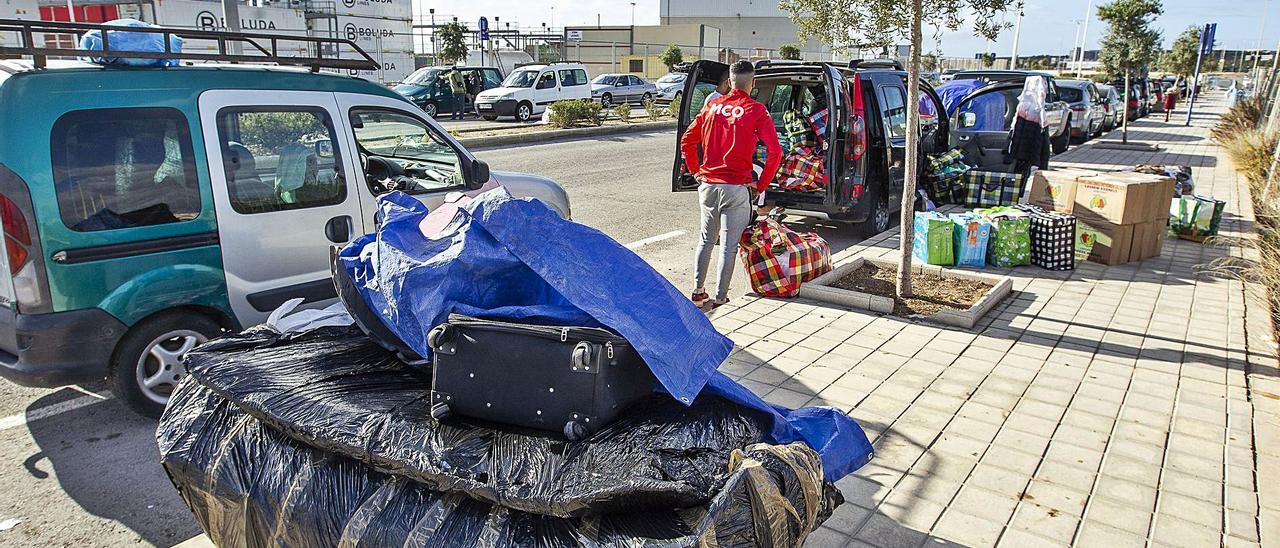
{"x":744,"y":24}
{"x":636,"y":50}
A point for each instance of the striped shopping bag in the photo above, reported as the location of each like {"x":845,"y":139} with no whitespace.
{"x":779,"y":259}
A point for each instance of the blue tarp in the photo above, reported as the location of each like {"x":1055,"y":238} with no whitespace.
{"x":121,"y":41}
{"x":504,"y":258}
{"x":954,"y":91}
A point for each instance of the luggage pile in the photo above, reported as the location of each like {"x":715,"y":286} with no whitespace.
{"x":1121,"y":216}
{"x":802,"y":163}
{"x":778,"y":260}
{"x":942,"y":183}
{"x":498,"y":387}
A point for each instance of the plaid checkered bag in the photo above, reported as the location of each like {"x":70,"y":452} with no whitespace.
{"x":1053,"y":238}
{"x":941,"y":161}
{"x":802,"y":170}
{"x":799,"y":131}
{"x":779,"y":259}
{"x":818,"y":121}
{"x":991,"y":188}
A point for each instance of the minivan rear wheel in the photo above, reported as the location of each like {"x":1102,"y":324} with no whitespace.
{"x":147,"y":365}
{"x":879,"y":218}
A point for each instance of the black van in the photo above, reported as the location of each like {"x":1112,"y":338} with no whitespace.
{"x":864,"y":150}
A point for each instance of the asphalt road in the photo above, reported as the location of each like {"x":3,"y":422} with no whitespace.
{"x":81,"y":470}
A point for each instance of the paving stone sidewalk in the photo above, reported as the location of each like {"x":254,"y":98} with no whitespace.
{"x":1113,"y":406}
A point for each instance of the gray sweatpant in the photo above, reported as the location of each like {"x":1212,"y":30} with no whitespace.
{"x":726,"y":211}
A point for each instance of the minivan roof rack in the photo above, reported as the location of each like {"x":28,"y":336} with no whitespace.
{"x":320,"y":52}
{"x":875,"y":64}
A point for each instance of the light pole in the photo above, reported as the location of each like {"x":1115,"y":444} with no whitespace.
{"x":1262,"y":30}
{"x":1084,"y":36}
{"x":1075,"y":44}
{"x":1017,"y":32}
{"x":633,"y":16}
{"x":433,"y":34}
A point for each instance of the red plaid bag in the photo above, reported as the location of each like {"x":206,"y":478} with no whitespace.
{"x":802,"y":170}
{"x":779,"y":259}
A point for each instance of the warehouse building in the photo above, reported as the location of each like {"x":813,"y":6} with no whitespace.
{"x":744,"y":25}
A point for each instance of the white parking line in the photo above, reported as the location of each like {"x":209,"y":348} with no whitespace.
{"x":654,"y":239}
{"x":14,"y":421}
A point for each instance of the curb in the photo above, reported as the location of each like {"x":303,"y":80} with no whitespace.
{"x":559,"y":134}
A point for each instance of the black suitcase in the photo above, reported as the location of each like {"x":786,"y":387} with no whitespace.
{"x":572,"y":380}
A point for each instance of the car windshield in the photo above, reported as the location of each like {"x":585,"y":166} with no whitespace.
{"x":604,"y":79}
{"x":1070,"y":94}
{"x":671,"y":78}
{"x":422,"y":77}
{"x":521,"y":79}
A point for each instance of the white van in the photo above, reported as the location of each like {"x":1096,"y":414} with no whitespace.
{"x":529,"y":89}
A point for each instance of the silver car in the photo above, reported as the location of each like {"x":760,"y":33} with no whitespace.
{"x":1087,"y":110}
{"x":1113,"y":104}
{"x":611,"y":89}
{"x":669,"y":87}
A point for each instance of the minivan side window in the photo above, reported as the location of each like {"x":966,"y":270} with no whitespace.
{"x":124,"y":167}
{"x":492,"y":79}
{"x":579,"y":77}
{"x":569,"y":77}
{"x":279,"y":158}
{"x":895,"y":111}
{"x":428,"y":162}
{"x":547,"y":80}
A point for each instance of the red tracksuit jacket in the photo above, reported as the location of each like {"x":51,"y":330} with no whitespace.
{"x":728,"y":129}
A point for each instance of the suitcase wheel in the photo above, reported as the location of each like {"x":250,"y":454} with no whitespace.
{"x":582,"y":356}
{"x":439,"y":335}
{"x":575,"y":431}
{"x":440,"y":411}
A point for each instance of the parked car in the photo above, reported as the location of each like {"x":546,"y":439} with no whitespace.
{"x":670,"y":87}
{"x":1155,"y":96}
{"x":611,"y":89}
{"x":147,"y":210}
{"x":529,"y":89}
{"x":948,"y":74}
{"x":505,"y":61}
{"x":1112,"y":103}
{"x":866,"y":132}
{"x":1057,"y":110}
{"x":1088,"y":110}
{"x":428,"y":87}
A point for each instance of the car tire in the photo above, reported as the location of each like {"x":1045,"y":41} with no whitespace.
{"x":489,"y":117}
{"x":431,"y":109}
{"x":1062,"y":142}
{"x":646,"y":97}
{"x":675,"y":100}
{"x":524,"y":111}
{"x":147,"y":364}
{"x":606,"y":100}
{"x":880,"y":216}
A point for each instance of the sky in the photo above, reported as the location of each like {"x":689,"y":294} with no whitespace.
{"x":1048,"y":27}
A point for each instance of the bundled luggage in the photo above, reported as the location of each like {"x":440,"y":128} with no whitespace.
{"x":1195,"y":218}
{"x":971,"y":233}
{"x":991,"y":188}
{"x":779,"y":259}
{"x":932,"y":243}
{"x":1010,"y":242}
{"x":802,"y":170}
{"x":572,"y":380}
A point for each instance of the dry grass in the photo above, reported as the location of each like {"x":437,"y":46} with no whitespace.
{"x":1251,"y":151}
{"x":1243,"y":116}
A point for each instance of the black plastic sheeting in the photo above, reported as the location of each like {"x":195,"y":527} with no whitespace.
{"x":326,"y":438}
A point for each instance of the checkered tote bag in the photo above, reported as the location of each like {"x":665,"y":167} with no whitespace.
{"x":779,"y":259}
{"x":991,"y":188}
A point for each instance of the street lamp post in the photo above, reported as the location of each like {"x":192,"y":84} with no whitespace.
{"x":633,"y":14}
{"x":1084,"y":36}
{"x":1017,"y":32}
{"x":433,"y":36}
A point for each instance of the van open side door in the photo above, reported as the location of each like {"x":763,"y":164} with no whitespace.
{"x":702,"y":81}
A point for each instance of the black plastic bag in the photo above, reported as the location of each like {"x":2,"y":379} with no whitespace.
{"x":259,"y":412}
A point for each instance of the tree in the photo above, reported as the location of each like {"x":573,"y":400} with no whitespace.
{"x":453,"y":43}
{"x":881,"y":23}
{"x":789,"y":51}
{"x":988,"y":59}
{"x":929,"y":61}
{"x":1181,"y":59}
{"x":1129,"y":44}
{"x":672,"y":56}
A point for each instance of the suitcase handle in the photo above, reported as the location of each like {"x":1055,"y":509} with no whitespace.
{"x":438,"y":337}
{"x":582,"y":354}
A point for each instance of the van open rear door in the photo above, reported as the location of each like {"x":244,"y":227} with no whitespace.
{"x":981,"y":123}
{"x":702,"y":81}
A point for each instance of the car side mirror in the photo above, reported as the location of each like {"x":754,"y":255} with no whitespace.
{"x":968,"y":119}
{"x":479,"y":172}
{"x":324,"y":148}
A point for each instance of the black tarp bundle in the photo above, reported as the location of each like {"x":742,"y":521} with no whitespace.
{"x":324,"y":438}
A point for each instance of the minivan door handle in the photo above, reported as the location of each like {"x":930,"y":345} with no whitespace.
{"x":338,"y":229}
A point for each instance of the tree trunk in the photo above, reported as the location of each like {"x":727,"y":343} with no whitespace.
{"x":1124,"y":129}
{"x":907,"y":223}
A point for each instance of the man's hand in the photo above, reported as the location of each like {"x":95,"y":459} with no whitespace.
{"x":700,"y":178}
{"x":763,"y":211}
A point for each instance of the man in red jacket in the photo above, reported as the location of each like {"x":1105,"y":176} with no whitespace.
{"x":727,"y":131}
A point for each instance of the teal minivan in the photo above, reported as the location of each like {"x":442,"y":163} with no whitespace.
{"x":146,"y":210}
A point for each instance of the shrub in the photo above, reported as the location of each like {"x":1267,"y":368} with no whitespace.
{"x":1251,"y":151}
{"x":1242,"y":116}
{"x":574,"y":113}
{"x":623,"y":112}
{"x":652,"y":109}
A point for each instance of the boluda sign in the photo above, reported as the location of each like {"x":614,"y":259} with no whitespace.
{"x":374,"y":35}
{"x":195,"y":14}
{"x":206,"y":20}
{"x":384,"y":9}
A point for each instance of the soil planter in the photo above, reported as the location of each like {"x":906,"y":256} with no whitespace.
{"x":824,"y":289}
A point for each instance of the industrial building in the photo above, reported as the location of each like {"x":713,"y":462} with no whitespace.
{"x":744,"y":25}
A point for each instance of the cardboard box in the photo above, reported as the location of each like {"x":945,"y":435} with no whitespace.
{"x":1121,"y":197}
{"x":1148,"y":240}
{"x":1055,"y":189}
{"x":1103,"y":242}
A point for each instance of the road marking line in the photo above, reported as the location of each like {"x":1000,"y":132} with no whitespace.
{"x":89,"y":393}
{"x":654,"y":239}
{"x":14,"y":421}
